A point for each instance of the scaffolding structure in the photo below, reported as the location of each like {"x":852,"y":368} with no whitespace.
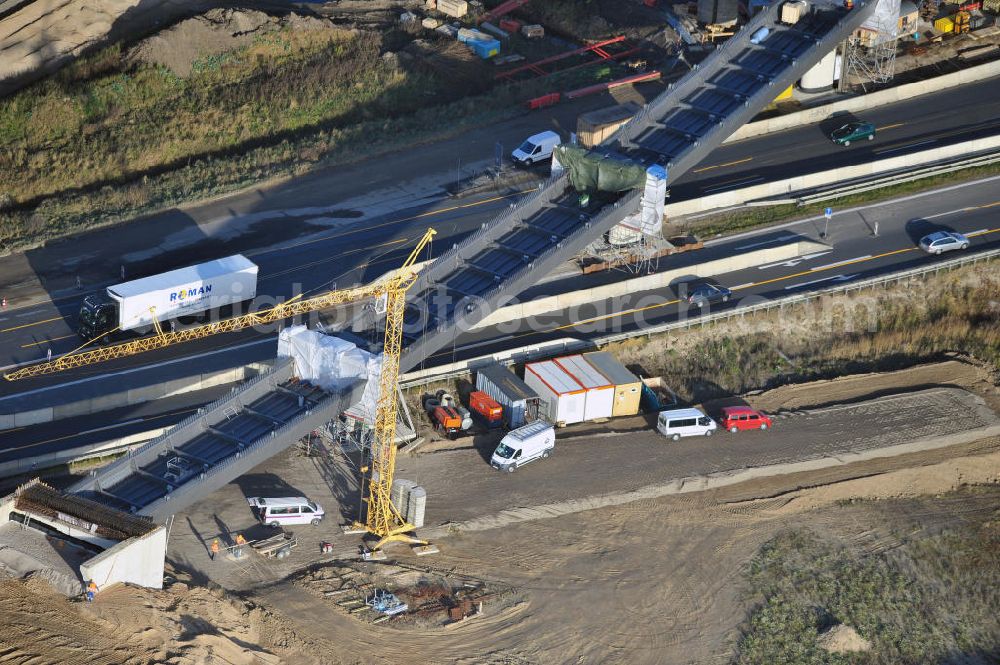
{"x":870,"y":53}
{"x":628,"y":249}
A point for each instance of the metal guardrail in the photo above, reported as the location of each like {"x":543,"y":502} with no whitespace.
{"x":135,"y":457}
{"x":569,"y":345}
{"x":898,"y":178}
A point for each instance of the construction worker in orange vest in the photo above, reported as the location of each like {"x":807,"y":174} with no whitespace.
{"x":91,"y":591}
{"x":214,"y":549}
{"x":240,"y":542}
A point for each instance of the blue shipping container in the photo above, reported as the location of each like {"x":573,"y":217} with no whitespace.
{"x":485,"y":49}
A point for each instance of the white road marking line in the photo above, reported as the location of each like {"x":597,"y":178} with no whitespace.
{"x":732,"y":185}
{"x":792,"y":262}
{"x":107,"y":427}
{"x":904,"y":147}
{"x":838,"y":278}
{"x":840,"y":263}
{"x":787,"y":236}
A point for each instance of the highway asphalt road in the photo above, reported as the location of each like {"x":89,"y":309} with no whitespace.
{"x":854,"y":254}
{"x":83,"y":431}
{"x":293,"y":257}
{"x":931,"y":121}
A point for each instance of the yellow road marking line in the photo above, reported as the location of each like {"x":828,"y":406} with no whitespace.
{"x":46,"y":341}
{"x":28,"y":325}
{"x":892,"y":126}
{"x":719,"y":166}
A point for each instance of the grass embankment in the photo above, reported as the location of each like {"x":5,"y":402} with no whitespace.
{"x":932,"y":600}
{"x":877,"y":330}
{"x":106,"y":139}
{"x":749,"y":218}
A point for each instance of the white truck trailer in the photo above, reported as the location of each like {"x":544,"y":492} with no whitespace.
{"x":133,"y":306}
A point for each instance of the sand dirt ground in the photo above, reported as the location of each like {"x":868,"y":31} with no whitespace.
{"x":656,"y":580}
{"x":648,"y":582}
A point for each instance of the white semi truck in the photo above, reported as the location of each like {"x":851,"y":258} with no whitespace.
{"x":133,"y":306}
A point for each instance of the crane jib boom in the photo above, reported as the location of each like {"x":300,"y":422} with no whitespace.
{"x":383,"y":520}
{"x":290,"y":308}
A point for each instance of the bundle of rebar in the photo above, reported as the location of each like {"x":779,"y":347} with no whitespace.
{"x":39,"y":498}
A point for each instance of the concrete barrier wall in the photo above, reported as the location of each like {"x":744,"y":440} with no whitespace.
{"x":861,"y":103}
{"x":650,"y":282}
{"x":135,"y":561}
{"x":48,"y":460}
{"x":97,"y":403}
{"x":780,"y":188}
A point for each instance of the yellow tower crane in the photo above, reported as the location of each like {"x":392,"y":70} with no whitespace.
{"x":383,"y":520}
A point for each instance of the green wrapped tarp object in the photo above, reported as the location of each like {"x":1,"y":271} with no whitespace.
{"x":590,"y":171}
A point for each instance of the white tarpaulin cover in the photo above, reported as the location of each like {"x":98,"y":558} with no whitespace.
{"x":331,"y":363}
{"x":884,"y":20}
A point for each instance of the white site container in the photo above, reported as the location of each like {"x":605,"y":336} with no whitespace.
{"x":600,"y":393}
{"x":565,"y":398}
{"x":185,"y":291}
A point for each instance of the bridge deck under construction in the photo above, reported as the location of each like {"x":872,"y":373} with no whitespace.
{"x":506,"y":256}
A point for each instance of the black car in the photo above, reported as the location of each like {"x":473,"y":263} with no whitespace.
{"x":708,"y":293}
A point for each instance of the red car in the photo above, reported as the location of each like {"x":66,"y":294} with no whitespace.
{"x":735,"y":418}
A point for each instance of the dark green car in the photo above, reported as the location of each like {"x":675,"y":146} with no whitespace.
{"x":853,"y":131}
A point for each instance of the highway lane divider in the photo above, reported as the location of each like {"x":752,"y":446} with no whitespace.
{"x":33,"y":461}
{"x":896,"y":179}
{"x":861,"y":103}
{"x":91,"y":402}
{"x":782,"y":191}
{"x":661,"y":280}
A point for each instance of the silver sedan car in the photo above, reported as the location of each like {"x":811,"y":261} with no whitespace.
{"x":943,"y":241}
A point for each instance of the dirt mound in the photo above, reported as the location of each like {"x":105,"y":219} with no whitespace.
{"x":933,"y":479}
{"x":842,"y":639}
{"x":179,"y":625}
{"x":216,"y":31}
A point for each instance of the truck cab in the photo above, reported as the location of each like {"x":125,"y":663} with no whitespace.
{"x":98,"y":317}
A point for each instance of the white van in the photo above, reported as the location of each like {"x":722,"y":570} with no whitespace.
{"x":285,"y":511}
{"x":524,"y":444}
{"x":536,"y":149}
{"x":684,"y":422}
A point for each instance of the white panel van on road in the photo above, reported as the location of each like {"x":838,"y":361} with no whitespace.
{"x":684,"y":422}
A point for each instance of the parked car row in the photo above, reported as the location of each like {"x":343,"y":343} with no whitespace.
{"x":693,"y":422}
